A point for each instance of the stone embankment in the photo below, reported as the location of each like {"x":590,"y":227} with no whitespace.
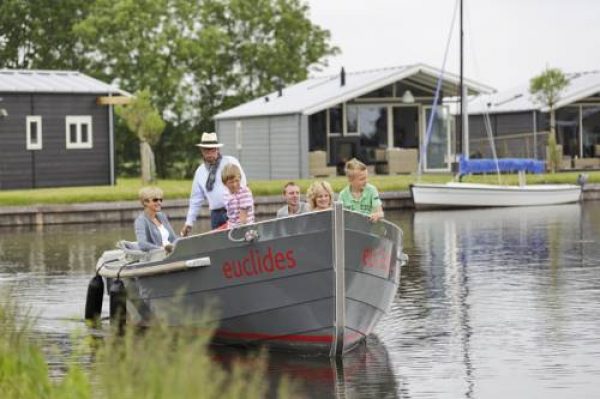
{"x":127,"y":211}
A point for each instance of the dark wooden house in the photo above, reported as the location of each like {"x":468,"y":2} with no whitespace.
{"x":56,"y":129}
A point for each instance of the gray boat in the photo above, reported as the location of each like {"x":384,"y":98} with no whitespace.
{"x":317,"y":282}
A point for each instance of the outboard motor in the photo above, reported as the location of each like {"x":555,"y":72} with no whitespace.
{"x":118,"y":309}
{"x":93,"y":302}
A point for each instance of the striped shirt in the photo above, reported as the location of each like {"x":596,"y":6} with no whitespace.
{"x":235,"y":202}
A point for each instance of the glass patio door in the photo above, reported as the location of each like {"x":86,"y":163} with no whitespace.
{"x":438,"y":150}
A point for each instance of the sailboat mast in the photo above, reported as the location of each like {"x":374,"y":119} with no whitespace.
{"x":464,"y":139}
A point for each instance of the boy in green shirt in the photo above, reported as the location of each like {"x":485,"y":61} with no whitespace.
{"x":359,"y":195}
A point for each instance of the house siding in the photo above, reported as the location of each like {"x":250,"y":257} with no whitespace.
{"x":15,"y":160}
{"x":303,"y":148}
{"x":269,"y":145}
{"x":284,"y":139}
{"x":53,"y":165}
{"x":511,"y":123}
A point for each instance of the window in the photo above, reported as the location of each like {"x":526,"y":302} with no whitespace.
{"x":79,"y":131}
{"x":335,"y":120}
{"x":317,"y":131}
{"x":34,"y":132}
{"x":352,"y":119}
{"x":373,"y":126}
{"x":567,"y":130}
{"x":590,"y":118}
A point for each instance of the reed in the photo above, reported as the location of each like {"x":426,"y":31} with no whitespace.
{"x":161,"y":362}
{"x":23,"y":370}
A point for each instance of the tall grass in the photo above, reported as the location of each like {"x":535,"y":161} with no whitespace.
{"x":160,"y":363}
{"x":23,"y":370}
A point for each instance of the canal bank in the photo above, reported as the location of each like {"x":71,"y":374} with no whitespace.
{"x":127,"y":211}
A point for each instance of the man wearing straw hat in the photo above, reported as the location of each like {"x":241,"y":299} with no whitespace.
{"x":207,"y":184}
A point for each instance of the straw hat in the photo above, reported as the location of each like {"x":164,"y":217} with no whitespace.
{"x":209,"y":140}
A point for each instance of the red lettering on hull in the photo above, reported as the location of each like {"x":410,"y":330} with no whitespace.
{"x":256,"y":263}
{"x":378,"y":258}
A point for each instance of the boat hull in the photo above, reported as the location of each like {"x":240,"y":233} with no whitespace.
{"x":281,"y":290}
{"x":462,"y":195}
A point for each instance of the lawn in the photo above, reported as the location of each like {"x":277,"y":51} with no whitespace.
{"x":127,"y":188}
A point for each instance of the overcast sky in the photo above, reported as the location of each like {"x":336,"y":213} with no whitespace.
{"x":507,"y":41}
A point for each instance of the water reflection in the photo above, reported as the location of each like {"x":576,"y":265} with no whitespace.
{"x":487,"y":308}
{"x":364,"y":373}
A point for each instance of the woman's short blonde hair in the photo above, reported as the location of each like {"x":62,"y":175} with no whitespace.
{"x":230,"y":171}
{"x":315,"y":189}
{"x":353,"y":166}
{"x":149,"y":192}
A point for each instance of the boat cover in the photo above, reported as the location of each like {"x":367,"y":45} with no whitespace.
{"x":487,"y":165}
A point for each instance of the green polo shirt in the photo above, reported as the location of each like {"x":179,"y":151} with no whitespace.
{"x":366,"y":204}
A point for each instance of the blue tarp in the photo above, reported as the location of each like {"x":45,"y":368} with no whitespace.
{"x":483,"y":165}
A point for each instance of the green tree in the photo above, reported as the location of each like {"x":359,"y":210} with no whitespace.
{"x":546,"y":89}
{"x":199,"y":57}
{"x":144,"y":120}
{"x":137,"y":44}
{"x":39,"y":34}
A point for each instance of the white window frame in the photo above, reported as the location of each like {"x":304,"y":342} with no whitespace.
{"x":38,"y":120}
{"x":78,"y":120}
{"x":238,"y":135}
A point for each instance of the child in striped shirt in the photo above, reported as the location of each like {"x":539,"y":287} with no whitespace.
{"x":238,"y":199}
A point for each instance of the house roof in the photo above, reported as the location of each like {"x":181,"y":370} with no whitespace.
{"x":42,"y":81}
{"x":319,"y":93}
{"x":581,"y":85}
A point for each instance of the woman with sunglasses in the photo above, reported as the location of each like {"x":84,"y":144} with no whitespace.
{"x":152,"y":227}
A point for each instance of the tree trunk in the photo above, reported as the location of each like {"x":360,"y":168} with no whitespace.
{"x":148,"y":166}
{"x":554,"y":152}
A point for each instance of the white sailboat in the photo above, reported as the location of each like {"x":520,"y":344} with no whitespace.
{"x":469,"y":195}
{"x":472,"y":195}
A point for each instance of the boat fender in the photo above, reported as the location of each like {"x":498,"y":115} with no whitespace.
{"x":582,"y":179}
{"x":403,"y":259}
{"x":118,"y":298}
{"x":93,"y":301}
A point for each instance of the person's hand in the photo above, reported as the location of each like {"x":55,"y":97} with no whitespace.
{"x":169,"y":248}
{"x":375,"y":216}
{"x":186,"y":230}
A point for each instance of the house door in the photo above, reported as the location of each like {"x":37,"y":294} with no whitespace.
{"x":567,"y":131}
{"x":437,"y":145}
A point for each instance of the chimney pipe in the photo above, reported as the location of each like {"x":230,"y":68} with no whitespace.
{"x":279,"y":85}
{"x":342,"y":77}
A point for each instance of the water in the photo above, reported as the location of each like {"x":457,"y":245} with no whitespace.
{"x":495,"y":303}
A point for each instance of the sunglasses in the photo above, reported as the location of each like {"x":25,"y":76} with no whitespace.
{"x":157,"y":200}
